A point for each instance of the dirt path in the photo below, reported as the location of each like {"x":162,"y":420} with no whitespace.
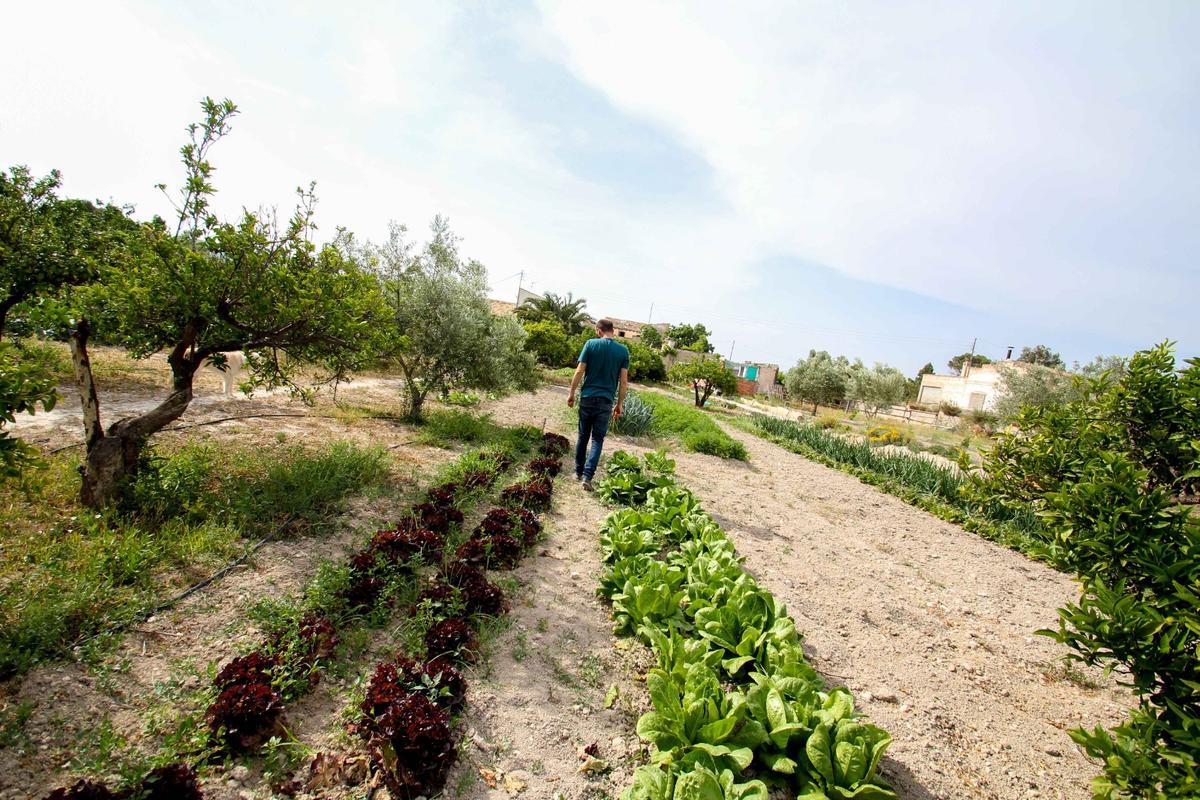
{"x":930,"y":625}
{"x":541,"y":701}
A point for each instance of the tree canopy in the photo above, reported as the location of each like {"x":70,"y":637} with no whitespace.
{"x":652,"y":337}
{"x":957,"y":362}
{"x":690,"y":337}
{"x":1042,"y":356}
{"x":876,"y":388}
{"x":442,"y":332}
{"x":706,"y":375}
{"x":210,"y":287}
{"x":566,"y":311}
{"x":820,"y":378}
{"x":1112,"y":472}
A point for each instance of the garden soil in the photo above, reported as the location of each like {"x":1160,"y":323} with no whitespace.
{"x":930,"y":626}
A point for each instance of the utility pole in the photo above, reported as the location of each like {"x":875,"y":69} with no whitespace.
{"x":971,"y":360}
{"x":731,"y":346}
{"x":520,"y":280}
{"x":650,"y":316}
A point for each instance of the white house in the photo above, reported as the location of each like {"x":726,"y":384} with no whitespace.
{"x":975,"y":388}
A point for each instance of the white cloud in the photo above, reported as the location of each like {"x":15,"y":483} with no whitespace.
{"x":948,"y":149}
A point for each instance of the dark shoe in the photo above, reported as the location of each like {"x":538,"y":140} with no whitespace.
{"x":578,"y":476}
{"x":587,"y":485}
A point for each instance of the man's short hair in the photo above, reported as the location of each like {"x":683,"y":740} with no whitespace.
{"x":605,"y":325}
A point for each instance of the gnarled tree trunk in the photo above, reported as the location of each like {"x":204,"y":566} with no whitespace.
{"x":112,"y":455}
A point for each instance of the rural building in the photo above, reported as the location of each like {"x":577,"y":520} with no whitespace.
{"x":754,"y":377}
{"x":975,"y":388}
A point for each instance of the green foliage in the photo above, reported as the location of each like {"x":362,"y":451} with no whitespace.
{"x":47,"y":243}
{"x":442,"y":332}
{"x":549,"y":343}
{"x":957,"y":362}
{"x":705,"y":375}
{"x":651,"y":337}
{"x":1031,"y":386}
{"x":732,"y":690}
{"x":819,"y":379}
{"x":445,"y":428}
{"x":628,"y":481}
{"x":565,"y":312}
{"x":949,"y":409}
{"x":23,"y":387}
{"x":1042,"y":356}
{"x":718,"y":444}
{"x":876,"y":388}
{"x":644,"y":363}
{"x":637,"y":417}
{"x":1107,"y":472}
{"x":82,"y":572}
{"x":690,"y":337}
{"x":693,"y":427}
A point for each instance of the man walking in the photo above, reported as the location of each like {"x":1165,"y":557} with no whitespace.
{"x":604,"y":370}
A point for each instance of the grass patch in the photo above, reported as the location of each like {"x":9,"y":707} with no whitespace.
{"x":693,"y":428}
{"x":67,"y":573}
{"x":451,"y":427}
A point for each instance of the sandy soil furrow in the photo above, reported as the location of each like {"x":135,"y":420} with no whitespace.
{"x":930,"y":625}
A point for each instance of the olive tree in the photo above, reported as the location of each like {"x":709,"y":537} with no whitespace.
{"x":706,"y":375}
{"x":877,"y":388}
{"x":442,"y":332}
{"x":207,"y":288}
{"x":820,"y":378}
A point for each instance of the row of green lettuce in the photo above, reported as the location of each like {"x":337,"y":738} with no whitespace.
{"x":737,"y":706}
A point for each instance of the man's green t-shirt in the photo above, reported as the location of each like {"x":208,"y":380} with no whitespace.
{"x":605,"y":359}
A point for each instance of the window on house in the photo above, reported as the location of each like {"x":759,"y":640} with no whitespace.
{"x":620,"y":333}
{"x":976,"y":401}
{"x":931,"y":394}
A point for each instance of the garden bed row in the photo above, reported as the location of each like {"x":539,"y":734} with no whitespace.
{"x":251,"y":691}
{"x":737,"y":706}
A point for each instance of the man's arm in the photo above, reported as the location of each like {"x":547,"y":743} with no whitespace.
{"x":575,"y":379}
{"x":621,"y":392}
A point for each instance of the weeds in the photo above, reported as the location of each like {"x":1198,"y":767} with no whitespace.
{"x":67,"y":573}
{"x":693,"y":427}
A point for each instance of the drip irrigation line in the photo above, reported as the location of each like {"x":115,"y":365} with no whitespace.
{"x":142,"y":616}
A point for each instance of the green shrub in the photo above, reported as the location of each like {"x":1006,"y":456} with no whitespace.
{"x":1112,"y":473}
{"x":645,"y":364}
{"x":444,"y":427}
{"x":464,"y":399}
{"x":715,"y":444}
{"x":949,"y":409}
{"x":549,"y":343}
{"x":828,"y":422}
{"x":692,"y":426}
{"x":637,"y":417}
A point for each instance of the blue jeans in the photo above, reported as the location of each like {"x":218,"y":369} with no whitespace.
{"x":594,"y":414}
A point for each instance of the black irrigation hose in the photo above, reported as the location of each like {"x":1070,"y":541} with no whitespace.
{"x":142,"y":616}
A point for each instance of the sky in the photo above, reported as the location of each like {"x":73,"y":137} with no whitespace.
{"x":888,"y":181}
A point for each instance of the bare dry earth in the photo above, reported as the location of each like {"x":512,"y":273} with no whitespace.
{"x":930,"y":625}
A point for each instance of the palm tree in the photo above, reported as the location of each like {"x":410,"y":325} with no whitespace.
{"x":566,"y":311}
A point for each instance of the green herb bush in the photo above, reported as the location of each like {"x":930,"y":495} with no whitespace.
{"x":637,"y":417}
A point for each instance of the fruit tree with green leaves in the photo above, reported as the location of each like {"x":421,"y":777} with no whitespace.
{"x":706,"y":375}
{"x":1115,"y":475}
{"x":205,"y":287}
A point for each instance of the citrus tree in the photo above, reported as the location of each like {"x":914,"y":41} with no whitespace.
{"x":207,"y":287}
{"x":706,"y":375}
{"x":1114,"y":474}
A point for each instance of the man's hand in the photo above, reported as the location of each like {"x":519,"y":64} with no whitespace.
{"x":617,"y":412}
{"x":571,"y":400}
